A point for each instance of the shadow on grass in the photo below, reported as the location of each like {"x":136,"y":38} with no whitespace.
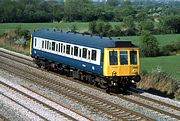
{"x":159,"y":93}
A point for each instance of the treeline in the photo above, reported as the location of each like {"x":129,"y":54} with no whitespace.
{"x":133,"y":18}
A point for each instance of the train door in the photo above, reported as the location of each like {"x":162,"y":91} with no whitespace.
{"x":111,"y":62}
{"x":124,"y":62}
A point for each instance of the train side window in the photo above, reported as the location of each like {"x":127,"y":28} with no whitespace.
{"x":57,"y":47}
{"x":35,"y":41}
{"x":64,"y":48}
{"x":123,"y":57}
{"x":47,"y":44}
{"x":75,"y":51}
{"x":94,"y":54}
{"x":84,"y":55}
{"x":42,"y":44}
{"x":53,"y":46}
{"x":113,"y":58}
{"x":68,"y":49}
{"x":89,"y":54}
{"x":80,"y":52}
{"x":71,"y":50}
{"x":61,"y":47}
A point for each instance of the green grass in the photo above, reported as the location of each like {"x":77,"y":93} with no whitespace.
{"x":169,"y":64}
{"x":4,"y":27}
{"x":81,"y":26}
{"x":162,"y":39}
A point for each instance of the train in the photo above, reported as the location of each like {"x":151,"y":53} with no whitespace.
{"x":97,"y":60}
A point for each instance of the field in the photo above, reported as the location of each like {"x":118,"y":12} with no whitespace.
{"x":162,"y":39}
{"x":169,"y":64}
{"x":81,"y":26}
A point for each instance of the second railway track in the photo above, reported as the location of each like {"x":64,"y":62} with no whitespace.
{"x":113,"y":107}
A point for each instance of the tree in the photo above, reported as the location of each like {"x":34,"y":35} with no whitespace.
{"x":113,"y":2}
{"x":92,"y":27}
{"x":147,"y":25}
{"x":171,"y":24}
{"x":149,"y":45}
{"x":75,"y":9}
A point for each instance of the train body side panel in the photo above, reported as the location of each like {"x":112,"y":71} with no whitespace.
{"x":89,"y":67}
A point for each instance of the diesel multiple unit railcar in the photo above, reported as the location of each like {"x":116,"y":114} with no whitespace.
{"x":104,"y":61}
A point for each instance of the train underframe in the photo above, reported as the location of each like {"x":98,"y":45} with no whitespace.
{"x":104,"y":82}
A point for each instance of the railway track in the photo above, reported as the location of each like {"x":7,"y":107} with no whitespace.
{"x":115,"y":111}
{"x":42,"y":100}
{"x":53,"y":83}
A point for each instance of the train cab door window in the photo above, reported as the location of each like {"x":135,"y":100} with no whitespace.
{"x":113,"y":57}
{"x":94,"y":54}
{"x":68,"y":49}
{"x":124,"y":57}
{"x":42,"y":44}
{"x":133,"y":57}
{"x":84,"y":55}
{"x":75,"y":51}
{"x":35,"y":42}
{"x":53,"y":46}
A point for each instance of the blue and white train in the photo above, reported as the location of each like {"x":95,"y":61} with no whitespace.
{"x":93,"y":59}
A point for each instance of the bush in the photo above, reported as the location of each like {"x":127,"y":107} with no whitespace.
{"x":160,"y":81}
{"x":170,"y":49}
{"x":149,"y":45}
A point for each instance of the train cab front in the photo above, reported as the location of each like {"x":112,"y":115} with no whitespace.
{"x":121,"y":66}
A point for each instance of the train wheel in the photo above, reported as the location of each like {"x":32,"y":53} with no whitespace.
{"x":103,"y":84}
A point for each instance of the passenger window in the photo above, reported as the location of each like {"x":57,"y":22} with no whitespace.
{"x":67,"y":49}
{"x":94,"y":54}
{"x":45,"y":43}
{"x":84,"y":53}
{"x":123,"y":57}
{"x":80,"y":52}
{"x":89,"y":54}
{"x":133,"y":57}
{"x":71,"y":50}
{"x":35,"y":42}
{"x":53,"y":46}
{"x":59,"y":47}
{"x":64,"y":48}
{"x":49,"y":45}
{"x":75,"y":51}
{"x":42,"y":44}
{"x":113,"y":58}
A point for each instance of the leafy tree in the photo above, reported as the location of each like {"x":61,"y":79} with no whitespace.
{"x":149,"y":45}
{"x":147,"y":25}
{"x":113,"y":2}
{"x":92,"y":27}
{"x":74,"y":28}
{"x":171,"y":24}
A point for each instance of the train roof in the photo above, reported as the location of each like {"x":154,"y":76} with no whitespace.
{"x":80,"y":39}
